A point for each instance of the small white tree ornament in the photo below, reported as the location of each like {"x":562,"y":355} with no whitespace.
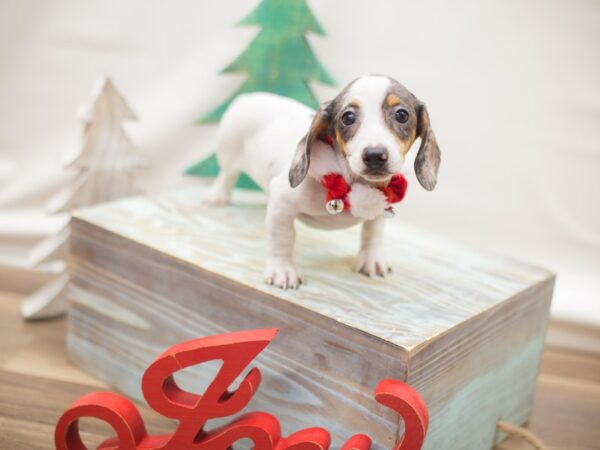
{"x":107,"y":162}
{"x":105,"y":167}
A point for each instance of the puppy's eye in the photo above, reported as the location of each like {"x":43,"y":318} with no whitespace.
{"x":401,"y":115}
{"x":348,"y":118}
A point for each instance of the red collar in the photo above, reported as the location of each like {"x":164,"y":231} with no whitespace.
{"x":338,"y":188}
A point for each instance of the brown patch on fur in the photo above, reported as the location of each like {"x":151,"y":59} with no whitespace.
{"x":392,"y":100}
{"x":399,"y":97}
{"x":341,"y":142}
{"x":407,"y":143}
{"x":354,"y":104}
{"x":403,"y":144}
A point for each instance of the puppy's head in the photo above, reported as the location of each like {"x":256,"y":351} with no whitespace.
{"x":374,"y":122}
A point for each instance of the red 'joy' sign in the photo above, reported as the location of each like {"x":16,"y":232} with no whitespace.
{"x":236,"y":350}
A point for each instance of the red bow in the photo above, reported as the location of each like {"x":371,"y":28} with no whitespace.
{"x":396,"y":189}
{"x":337,"y":188}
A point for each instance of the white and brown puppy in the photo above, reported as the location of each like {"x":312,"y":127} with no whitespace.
{"x":364,"y":135}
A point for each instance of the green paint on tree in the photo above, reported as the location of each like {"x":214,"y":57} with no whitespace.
{"x":209,"y":167}
{"x":278,"y":60}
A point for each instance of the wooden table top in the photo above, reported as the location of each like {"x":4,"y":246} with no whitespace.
{"x":416,"y":310}
{"x":37,"y":383}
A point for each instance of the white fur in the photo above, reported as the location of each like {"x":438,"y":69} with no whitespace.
{"x":259,"y":134}
{"x":366,"y":202}
{"x":324,"y":160}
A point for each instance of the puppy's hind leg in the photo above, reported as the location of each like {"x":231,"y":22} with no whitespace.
{"x":229,"y":151}
{"x":220,"y":191}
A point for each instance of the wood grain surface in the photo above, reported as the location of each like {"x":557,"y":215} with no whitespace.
{"x":436,"y":284}
{"x":37,"y":383}
{"x":122,"y":318}
{"x":465,"y":327}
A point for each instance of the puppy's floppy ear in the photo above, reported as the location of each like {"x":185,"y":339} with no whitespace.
{"x":428,"y":158}
{"x":318,"y":128}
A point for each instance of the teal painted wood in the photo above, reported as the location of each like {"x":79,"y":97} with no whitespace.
{"x":483,"y":371}
{"x":464,"y":327}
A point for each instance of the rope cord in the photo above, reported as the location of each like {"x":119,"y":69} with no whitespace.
{"x":522,"y":433}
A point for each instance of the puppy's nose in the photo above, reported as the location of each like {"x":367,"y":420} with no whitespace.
{"x":375,"y":157}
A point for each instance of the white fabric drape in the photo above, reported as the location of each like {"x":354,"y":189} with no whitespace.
{"x":513,"y":90}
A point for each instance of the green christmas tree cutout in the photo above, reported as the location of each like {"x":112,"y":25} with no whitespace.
{"x":278,"y":60}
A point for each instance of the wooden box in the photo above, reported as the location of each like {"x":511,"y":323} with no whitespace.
{"x":464,"y":327}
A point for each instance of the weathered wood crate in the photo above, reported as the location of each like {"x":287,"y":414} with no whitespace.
{"x":464,"y":327}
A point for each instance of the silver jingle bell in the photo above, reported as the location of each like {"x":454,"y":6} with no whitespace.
{"x":334,"y":206}
{"x":389,"y":213}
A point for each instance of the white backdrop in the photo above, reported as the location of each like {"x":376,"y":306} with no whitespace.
{"x":513,"y":89}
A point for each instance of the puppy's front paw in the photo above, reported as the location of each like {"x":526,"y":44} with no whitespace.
{"x":371,"y":261}
{"x":283,"y":275}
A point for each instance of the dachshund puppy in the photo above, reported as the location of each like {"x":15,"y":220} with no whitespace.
{"x":352,"y":147}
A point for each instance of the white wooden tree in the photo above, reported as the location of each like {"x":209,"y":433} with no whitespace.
{"x":107,"y":162}
{"x":105,"y":168}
